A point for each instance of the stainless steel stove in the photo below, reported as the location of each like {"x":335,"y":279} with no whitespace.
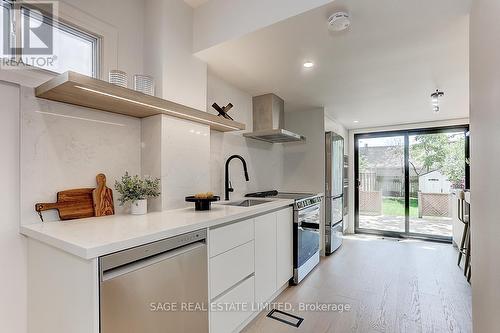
{"x":306,"y":224}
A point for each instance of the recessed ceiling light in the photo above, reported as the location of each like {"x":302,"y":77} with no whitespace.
{"x":308,"y":64}
{"x":356,"y":121}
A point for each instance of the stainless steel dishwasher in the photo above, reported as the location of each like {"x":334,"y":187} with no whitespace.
{"x":156,"y":288}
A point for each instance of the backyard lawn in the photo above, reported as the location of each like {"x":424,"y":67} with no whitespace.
{"x":396,"y":206}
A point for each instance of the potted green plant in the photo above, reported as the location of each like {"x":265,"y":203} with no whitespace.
{"x":137,"y":190}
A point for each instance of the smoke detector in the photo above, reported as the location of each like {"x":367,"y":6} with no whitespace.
{"x":339,"y":21}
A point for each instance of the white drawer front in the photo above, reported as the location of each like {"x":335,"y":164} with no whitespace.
{"x":227,"y":321}
{"x":229,"y":268}
{"x":230,"y":236}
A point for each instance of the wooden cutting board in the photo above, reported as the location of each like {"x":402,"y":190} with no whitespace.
{"x":83,"y":202}
{"x":102,"y":197}
{"x":71,"y":204}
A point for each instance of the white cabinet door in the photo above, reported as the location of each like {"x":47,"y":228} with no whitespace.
{"x":265,"y":257}
{"x":284,"y":246}
{"x":224,"y":318}
{"x":230,"y":236}
{"x":229,"y":268}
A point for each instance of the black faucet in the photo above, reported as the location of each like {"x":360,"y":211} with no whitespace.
{"x":228,"y":187}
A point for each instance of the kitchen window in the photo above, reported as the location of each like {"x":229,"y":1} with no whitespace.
{"x":73,"y":48}
{"x":4,"y":27}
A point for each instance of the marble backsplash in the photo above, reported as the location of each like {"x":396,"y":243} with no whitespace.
{"x":178,"y":152}
{"x":264,"y":162}
{"x":65,"y":146}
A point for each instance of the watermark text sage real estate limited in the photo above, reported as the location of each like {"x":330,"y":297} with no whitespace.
{"x":248,"y":307}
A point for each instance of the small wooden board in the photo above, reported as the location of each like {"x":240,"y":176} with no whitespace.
{"x":102,"y":197}
{"x":71,"y":204}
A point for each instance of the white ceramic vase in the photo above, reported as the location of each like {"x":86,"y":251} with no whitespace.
{"x":139,"y":207}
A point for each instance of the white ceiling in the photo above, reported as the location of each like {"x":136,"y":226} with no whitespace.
{"x":380,"y":72}
{"x":195,"y":3}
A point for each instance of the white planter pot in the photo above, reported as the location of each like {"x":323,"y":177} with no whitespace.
{"x":139,"y":207}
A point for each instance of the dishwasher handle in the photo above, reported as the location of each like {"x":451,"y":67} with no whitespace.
{"x":141,"y":254}
{"x":142,"y":263}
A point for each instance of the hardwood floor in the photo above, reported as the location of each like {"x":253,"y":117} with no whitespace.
{"x":392,"y":286}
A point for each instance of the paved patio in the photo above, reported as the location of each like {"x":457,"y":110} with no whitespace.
{"x":440,"y":226}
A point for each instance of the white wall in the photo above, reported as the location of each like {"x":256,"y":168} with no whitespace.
{"x":13,"y":304}
{"x":122,"y":20}
{"x":178,"y":152}
{"x":219,"y":21}
{"x":305,"y":161}
{"x":332,"y":125}
{"x":485,"y":163}
{"x":264,"y":160}
{"x":151,"y":143}
{"x":180,"y":76}
{"x":175,"y":150}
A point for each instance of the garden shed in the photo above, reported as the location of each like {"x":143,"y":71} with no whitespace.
{"x":434,"y":182}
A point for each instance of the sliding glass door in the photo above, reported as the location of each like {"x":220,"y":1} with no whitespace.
{"x":437,"y":167}
{"x":404,"y":181}
{"x":381,"y":185}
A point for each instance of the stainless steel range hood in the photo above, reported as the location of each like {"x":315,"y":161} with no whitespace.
{"x":268,"y":121}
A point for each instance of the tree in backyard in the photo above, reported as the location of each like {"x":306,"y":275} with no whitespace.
{"x":445,"y":152}
{"x":428,"y":153}
{"x":454,"y":164}
{"x":363,"y":161}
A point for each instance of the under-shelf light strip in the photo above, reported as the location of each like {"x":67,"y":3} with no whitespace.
{"x":157,"y":107}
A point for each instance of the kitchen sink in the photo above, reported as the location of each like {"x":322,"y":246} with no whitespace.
{"x":246,"y":203}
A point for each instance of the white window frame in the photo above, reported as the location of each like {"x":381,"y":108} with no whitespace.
{"x":108,"y":33}
{"x":6,"y":4}
{"x":107,"y":52}
{"x":61,"y":24}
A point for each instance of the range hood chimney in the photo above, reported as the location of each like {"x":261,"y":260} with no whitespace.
{"x":268,"y":120}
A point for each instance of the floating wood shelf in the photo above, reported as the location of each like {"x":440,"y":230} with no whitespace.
{"x":82,"y":90}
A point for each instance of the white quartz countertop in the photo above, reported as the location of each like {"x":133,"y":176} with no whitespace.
{"x":93,"y":237}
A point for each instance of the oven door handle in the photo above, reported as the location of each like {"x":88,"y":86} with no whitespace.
{"x":310,"y":214}
{"x":309,"y":229}
{"x":309,"y":225}
{"x":309,"y":209}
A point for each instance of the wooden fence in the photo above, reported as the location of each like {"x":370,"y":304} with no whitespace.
{"x":390,"y":186}
{"x":370,"y":202}
{"x":429,"y":204}
{"x":434,"y":204}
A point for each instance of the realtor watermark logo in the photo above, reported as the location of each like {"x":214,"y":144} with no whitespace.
{"x":28,"y":35}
